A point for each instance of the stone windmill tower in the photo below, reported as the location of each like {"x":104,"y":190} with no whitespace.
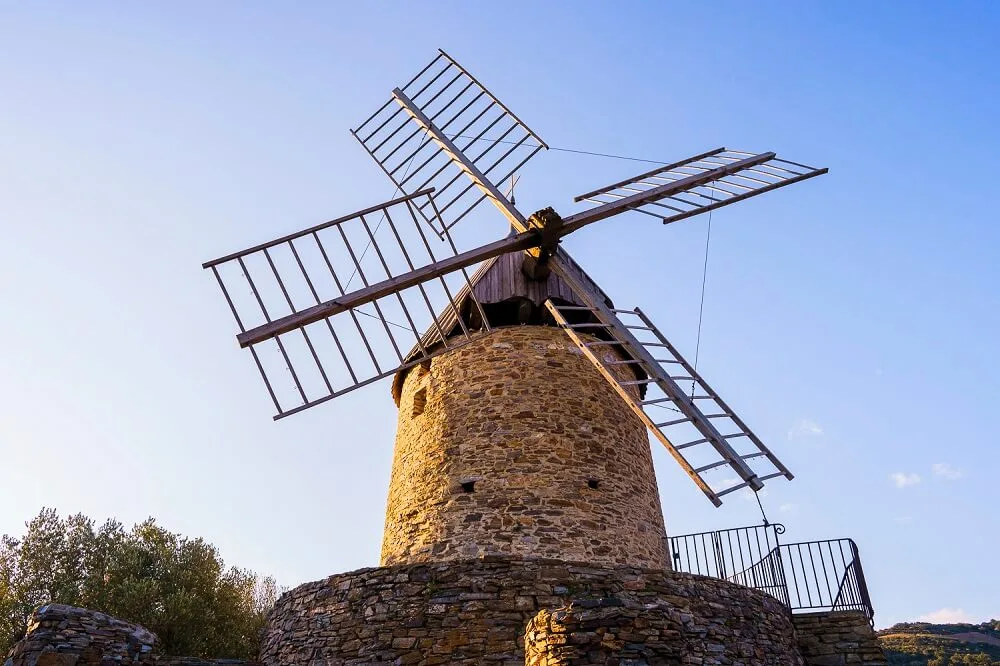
{"x":525,"y":398}
{"x":516,"y":445}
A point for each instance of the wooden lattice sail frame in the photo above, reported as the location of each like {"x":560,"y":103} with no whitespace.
{"x":448,"y":143}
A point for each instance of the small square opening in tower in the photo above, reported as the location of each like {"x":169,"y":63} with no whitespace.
{"x":468,"y":486}
{"x":419,"y":402}
{"x":593,"y":484}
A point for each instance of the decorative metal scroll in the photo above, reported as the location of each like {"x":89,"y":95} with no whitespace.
{"x":305,"y":364}
{"x":682,"y":411}
{"x":479,"y":125}
{"x":708,"y":181}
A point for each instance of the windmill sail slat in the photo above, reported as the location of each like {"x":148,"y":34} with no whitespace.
{"x":487,"y":133}
{"x":704,"y":446}
{"x":333,"y":308}
{"x":690,"y":187}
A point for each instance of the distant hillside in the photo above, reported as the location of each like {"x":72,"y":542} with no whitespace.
{"x":926,"y":644}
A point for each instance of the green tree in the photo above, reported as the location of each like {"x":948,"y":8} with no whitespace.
{"x":176,"y":586}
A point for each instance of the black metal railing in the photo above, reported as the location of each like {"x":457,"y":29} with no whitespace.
{"x":745,"y":555}
{"x":805,"y":576}
{"x":825,"y":575}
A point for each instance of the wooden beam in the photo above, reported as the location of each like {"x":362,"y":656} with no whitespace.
{"x":494,"y":98}
{"x":526,"y":239}
{"x":316,"y":313}
{"x":647,"y":174}
{"x":669,"y":387}
{"x":727,"y":411}
{"x":740,"y":197}
{"x":631,"y":402}
{"x":574,"y":222}
{"x":458,"y":157}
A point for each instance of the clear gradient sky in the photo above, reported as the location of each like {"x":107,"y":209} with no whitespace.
{"x":852,"y":320}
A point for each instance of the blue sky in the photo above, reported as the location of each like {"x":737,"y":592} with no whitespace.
{"x":851,"y":320}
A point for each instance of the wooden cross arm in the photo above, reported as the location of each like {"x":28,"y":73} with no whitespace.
{"x":522,"y":241}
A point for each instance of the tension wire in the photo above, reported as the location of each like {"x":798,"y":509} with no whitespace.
{"x":560,"y":150}
{"x":704,"y":280}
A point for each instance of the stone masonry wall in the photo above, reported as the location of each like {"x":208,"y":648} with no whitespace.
{"x":837,"y":639}
{"x":60,"y":635}
{"x":476,"y":612}
{"x":613,"y":631}
{"x":553,"y":462}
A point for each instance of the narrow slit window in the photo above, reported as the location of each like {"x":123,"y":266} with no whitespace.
{"x":419,"y":402}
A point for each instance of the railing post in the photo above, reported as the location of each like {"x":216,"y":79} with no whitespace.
{"x":782,"y":580}
{"x":838,"y":600}
{"x":862,"y":584}
{"x":720,"y":556}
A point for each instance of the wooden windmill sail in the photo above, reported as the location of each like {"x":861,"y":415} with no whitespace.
{"x":345,"y":303}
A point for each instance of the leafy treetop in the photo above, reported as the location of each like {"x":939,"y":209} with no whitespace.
{"x":176,"y":586}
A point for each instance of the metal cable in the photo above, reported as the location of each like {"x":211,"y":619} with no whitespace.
{"x":564,"y":150}
{"x":701,"y":306}
{"x":382,"y":219}
{"x":369,"y":245}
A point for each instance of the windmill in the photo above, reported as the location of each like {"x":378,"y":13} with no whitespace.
{"x":382,"y":290}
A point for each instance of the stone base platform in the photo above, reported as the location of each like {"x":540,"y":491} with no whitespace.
{"x":536,"y":612}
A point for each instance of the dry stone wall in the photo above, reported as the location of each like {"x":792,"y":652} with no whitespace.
{"x":838,"y":639}
{"x":516,"y":445}
{"x":617,"y":631}
{"x":477,"y":612}
{"x":60,"y":635}
{"x":497,"y":611}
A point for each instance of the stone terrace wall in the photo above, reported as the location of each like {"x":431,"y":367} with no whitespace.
{"x":195,"y":661}
{"x":476,"y":612}
{"x":838,"y":639}
{"x":61,"y":635}
{"x":525,"y":417}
